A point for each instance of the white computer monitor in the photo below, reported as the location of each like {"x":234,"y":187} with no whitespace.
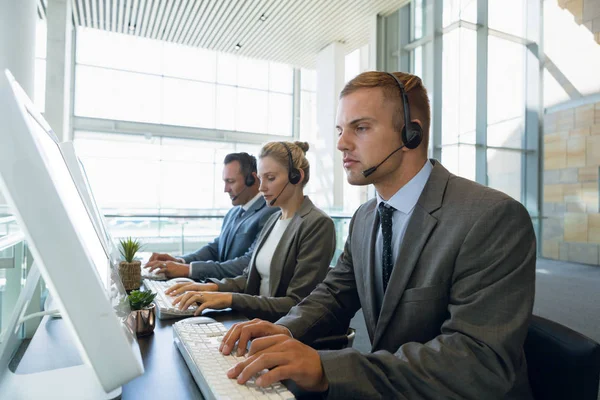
{"x":69,"y":253}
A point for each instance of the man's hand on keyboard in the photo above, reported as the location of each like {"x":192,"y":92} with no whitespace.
{"x":171,"y":269}
{"x":284,"y":358}
{"x":163,"y":257}
{"x":180,"y":288}
{"x":243,"y":332}
{"x":214,"y":300}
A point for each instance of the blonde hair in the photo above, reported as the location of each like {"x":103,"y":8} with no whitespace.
{"x":279,"y":153}
{"x":414,"y":88}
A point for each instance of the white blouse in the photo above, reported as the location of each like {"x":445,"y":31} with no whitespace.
{"x":264,"y":256}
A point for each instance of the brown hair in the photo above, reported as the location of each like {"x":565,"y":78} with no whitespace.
{"x":416,"y":92}
{"x":277,"y":151}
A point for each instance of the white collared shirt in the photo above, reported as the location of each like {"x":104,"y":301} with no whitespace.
{"x":404,"y":201}
{"x":251,"y":202}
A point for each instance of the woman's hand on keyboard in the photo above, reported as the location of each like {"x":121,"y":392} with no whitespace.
{"x":283,"y":358}
{"x":242,"y":332}
{"x":183,"y":287}
{"x":214,"y":300}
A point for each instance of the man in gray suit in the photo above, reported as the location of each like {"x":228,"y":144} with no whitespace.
{"x":443,"y":269}
{"x":229,"y":253}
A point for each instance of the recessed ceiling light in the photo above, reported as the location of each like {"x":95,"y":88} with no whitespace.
{"x":263,"y":18}
{"x":238,"y":46}
{"x":131,"y":27}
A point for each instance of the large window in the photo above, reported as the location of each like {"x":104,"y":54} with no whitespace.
{"x":482,"y":140}
{"x":124,"y":77}
{"x":152,"y":174}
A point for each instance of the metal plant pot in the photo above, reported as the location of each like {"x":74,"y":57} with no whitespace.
{"x":142,"y":322}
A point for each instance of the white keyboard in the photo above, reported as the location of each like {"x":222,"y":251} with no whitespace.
{"x":164,"y":303}
{"x":199,"y":346}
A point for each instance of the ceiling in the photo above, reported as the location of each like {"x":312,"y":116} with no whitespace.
{"x":287,"y":31}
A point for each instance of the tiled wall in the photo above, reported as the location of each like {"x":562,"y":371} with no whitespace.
{"x":571,"y":203}
{"x":586,"y":12}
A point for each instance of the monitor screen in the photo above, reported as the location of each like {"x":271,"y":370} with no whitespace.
{"x":60,"y":234}
{"x":74,"y":205}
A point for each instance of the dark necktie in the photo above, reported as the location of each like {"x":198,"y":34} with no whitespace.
{"x":385,"y":217}
{"x":240,"y":214}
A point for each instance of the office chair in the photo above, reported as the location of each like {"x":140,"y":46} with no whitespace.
{"x":562,"y":364}
{"x":335,"y":342}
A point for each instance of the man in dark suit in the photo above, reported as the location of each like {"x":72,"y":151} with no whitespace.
{"x":229,"y":253}
{"x":442,"y":267}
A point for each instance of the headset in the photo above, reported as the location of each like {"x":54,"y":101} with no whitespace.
{"x":412,"y":133}
{"x":251,"y":161}
{"x":294,"y":175}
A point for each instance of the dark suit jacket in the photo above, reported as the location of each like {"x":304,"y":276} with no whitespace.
{"x":301,"y":261}
{"x":230,"y":252}
{"x":459,"y":300}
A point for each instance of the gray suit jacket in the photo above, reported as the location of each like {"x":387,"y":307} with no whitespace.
{"x":459,"y":300}
{"x":230,"y":252}
{"x":301,"y":261}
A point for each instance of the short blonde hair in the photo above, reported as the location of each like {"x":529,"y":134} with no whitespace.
{"x":279,"y":153}
{"x":415,"y":90}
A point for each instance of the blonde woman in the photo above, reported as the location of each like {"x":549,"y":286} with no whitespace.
{"x":292,"y":252}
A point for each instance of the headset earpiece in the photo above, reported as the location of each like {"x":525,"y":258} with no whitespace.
{"x":294,"y":174}
{"x":249,"y":180}
{"x":412,"y":134}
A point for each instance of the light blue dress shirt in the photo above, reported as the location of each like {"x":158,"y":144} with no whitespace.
{"x":404,"y":201}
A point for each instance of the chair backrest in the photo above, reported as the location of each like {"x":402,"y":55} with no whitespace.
{"x":562,"y":364}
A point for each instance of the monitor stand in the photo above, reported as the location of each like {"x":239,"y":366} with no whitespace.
{"x":79,"y":380}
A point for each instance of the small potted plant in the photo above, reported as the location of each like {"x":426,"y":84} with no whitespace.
{"x":130,"y":269}
{"x":142,"y":318}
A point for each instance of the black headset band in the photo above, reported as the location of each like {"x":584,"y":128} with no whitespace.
{"x":405,"y":105}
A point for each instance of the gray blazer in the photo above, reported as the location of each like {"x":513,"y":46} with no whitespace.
{"x":459,"y":300}
{"x":230,"y":252}
{"x":300,"y":262}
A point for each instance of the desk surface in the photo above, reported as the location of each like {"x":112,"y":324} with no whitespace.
{"x":166,"y":373}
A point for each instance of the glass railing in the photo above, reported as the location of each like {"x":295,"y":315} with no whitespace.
{"x":181,"y":234}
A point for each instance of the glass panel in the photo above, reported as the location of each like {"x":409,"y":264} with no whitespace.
{"x":195,"y":178}
{"x":507,"y":16}
{"x":455,"y":10}
{"x":308,"y":115}
{"x":188,"y":62}
{"x":116,"y":50}
{"x":458,"y":86}
{"x":417,"y":56}
{"x":506,"y":80}
{"x":104,"y":93}
{"x":351,"y":65}
{"x":418,"y":19}
{"x":252,"y":109}
{"x":226,"y":107}
{"x":460,"y":160}
{"x":188,"y":103}
{"x":280,"y":114}
{"x":253,"y":73}
{"x":507,"y":133}
{"x":572,"y":48}
{"x":189,"y":150}
{"x":504,"y":171}
{"x":553,"y":92}
{"x":227,"y":69}
{"x":281,"y":78}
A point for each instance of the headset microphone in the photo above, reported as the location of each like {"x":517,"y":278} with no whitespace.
{"x":369,"y":171}
{"x":234,"y":198}
{"x":276,"y":197}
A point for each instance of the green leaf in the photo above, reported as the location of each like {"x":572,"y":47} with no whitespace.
{"x":139,"y":300}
